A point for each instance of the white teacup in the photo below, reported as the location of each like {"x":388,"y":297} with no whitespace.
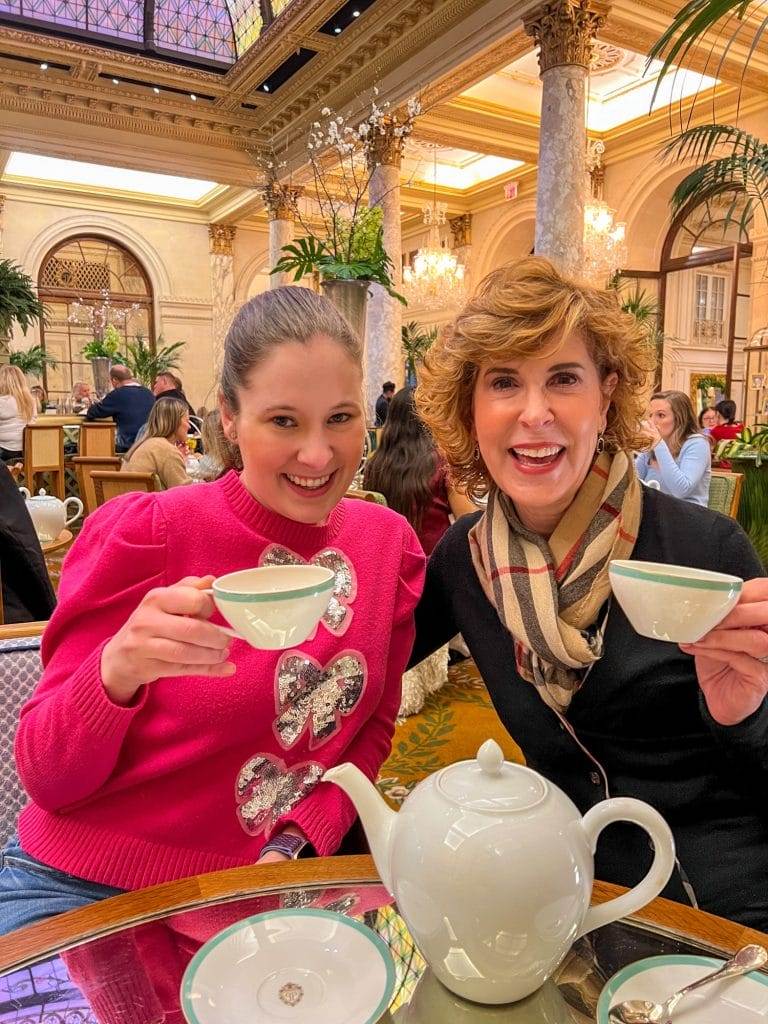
{"x":672,"y":602}
{"x":275,"y":606}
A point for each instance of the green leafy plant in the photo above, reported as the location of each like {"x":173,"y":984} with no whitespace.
{"x":33,"y":361}
{"x":645,"y":309}
{"x":358,"y":256}
{"x":145,"y":364}
{"x":416,"y":343}
{"x":751,"y":443}
{"x":691,"y":25}
{"x":729,"y":158}
{"x":18,"y":301}
{"x":105,"y":347}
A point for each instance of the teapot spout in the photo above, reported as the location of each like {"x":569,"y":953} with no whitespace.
{"x":378,"y":820}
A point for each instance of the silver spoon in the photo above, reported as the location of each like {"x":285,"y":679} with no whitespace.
{"x":642,"y":1011}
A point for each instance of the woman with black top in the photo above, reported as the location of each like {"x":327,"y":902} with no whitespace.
{"x":534,"y":397}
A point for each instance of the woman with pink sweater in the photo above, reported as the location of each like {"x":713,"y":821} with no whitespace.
{"x":155,"y":746}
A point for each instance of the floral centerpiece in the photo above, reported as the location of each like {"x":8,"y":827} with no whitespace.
{"x":343,"y":238}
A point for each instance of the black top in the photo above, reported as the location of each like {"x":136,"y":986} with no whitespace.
{"x":382,"y":408}
{"x":640,"y":713}
{"x":27,"y":591}
{"x":129,"y":406}
{"x":179,"y":395}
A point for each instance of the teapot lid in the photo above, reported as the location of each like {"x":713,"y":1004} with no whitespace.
{"x":491,"y":784}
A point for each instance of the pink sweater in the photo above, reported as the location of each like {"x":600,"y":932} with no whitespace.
{"x":201,"y":772}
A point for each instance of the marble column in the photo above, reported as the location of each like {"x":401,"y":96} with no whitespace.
{"x":563,"y":30}
{"x":384,"y":358}
{"x":461,"y":238}
{"x":281,"y":205}
{"x":222,"y":289}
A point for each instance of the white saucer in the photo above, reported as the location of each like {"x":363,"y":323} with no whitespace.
{"x":305,"y":966}
{"x":735,"y":1001}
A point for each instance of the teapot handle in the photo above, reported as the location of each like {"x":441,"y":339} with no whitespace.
{"x":24,"y":492}
{"x":625,"y":808}
{"x":77,"y":514}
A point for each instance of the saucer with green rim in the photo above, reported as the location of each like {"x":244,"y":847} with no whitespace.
{"x":306,"y":966}
{"x":733,"y":1001}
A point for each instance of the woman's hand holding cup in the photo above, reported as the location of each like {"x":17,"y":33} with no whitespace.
{"x":732,"y":659}
{"x":167,"y":635}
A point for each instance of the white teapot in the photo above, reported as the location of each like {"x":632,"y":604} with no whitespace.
{"x":49,"y":514}
{"x":492,"y":868}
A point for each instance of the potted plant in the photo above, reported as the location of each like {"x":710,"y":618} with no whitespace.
{"x":344,"y":243}
{"x":18,"y":304}
{"x":416,"y":343}
{"x":33,"y":361}
{"x":100,"y":352}
{"x":145,"y":365}
{"x":748,"y":454}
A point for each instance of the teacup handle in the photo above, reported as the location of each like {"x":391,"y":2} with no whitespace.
{"x":77,"y":514}
{"x":624,"y":808}
{"x":224,"y":629}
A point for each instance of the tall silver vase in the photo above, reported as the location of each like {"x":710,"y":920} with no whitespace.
{"x":101,"y":366}
{"x":351,"y":300}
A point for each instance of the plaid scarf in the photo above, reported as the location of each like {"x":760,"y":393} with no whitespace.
{"x":549,"y":594}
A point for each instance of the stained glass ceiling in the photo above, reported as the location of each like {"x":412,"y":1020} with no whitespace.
{"x":207,"y":31}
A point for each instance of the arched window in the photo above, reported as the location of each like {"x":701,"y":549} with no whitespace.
{"x":705,"y":295}
{"x":84,"y":274}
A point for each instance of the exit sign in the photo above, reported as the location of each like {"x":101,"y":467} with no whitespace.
{"x":510,"y":190}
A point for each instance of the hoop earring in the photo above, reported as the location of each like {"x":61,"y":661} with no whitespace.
{"x":600,"y":445}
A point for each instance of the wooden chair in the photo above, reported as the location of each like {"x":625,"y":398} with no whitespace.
{"x":109,"y":484}
{"x":20,"y":670}
{"x":44,"y":454}
{"x":725,"y":492}
{"x":97,"y":439}
{"x":373,"y":496}
{"x":84,"y":466}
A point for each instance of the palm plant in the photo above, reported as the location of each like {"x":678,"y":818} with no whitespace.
{"x":145,"y":364}
{"x":728,"y":158}
{"x":416,"y":343}
{"x":18,"y":303}
{"x":693,"y":22}
{"x":33,"y":361}
{"x":645,"y":309}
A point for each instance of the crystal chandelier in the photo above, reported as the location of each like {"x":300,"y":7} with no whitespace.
{"x":605,"y":249}
{"x":436,"y":279}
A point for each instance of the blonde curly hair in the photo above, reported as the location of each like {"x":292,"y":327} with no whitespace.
{"x":524,"y":310}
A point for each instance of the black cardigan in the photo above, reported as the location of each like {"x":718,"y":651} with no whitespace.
{"x":640,"y":713}
{"x":27,"y":591}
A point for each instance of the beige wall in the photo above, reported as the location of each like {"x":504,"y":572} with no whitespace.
{"x":172,"y":247}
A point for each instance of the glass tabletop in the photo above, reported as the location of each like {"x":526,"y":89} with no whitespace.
{"x":134,"y":975}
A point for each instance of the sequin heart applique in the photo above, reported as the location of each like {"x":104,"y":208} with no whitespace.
{"x":307,"y":694}
{"x":266,"y":790}
{"x":338,"y":614}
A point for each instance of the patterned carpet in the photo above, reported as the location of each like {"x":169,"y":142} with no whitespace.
{"x":454,"y":722}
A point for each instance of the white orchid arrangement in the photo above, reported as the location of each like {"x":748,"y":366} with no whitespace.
{"x":343,"y":155}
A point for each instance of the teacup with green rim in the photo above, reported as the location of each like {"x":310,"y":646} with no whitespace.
{"x":274,"y":606}
{"x":672,"y":602}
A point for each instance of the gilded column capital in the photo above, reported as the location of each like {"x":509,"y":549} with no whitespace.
{"x":461,"y":230}
{"x":564,"y":31}
{"x":386,"y":144}
{"x":221,"y":237}
{"x":2,"y":203}
{"x":281,"y":200}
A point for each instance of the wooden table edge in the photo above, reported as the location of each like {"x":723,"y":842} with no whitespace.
{"x":37,"y":941}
